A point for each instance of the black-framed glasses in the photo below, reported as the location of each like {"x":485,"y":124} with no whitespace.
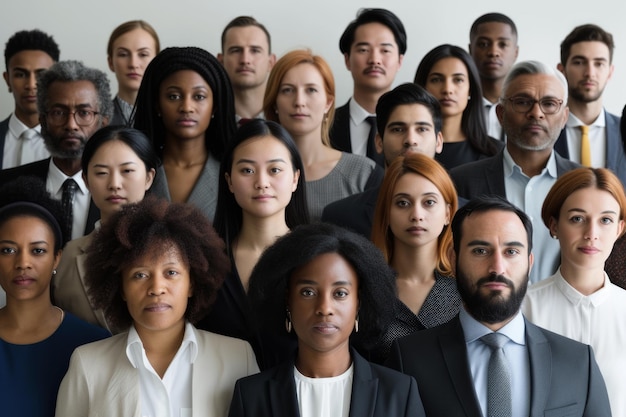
{"x":525,"y":104}
{"x":82,"y":117}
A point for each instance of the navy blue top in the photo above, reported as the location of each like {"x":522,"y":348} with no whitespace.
{"x":30,"y":375}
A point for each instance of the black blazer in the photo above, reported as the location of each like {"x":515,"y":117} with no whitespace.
{"x":376,"y":392}
{"x":39,"y":169}
{"x":355,"y":212}
{"x":340,"y":130}
{"x":4,"y":128}
{"x":487,"y":175}
{"x":565,"y":378}
{"x":615,"y":156}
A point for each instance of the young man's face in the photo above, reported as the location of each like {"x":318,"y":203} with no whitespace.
{"x":374,"y":58}
{"x":587,"y":70}
{"x":246,"y":57}
{"x":494,"y":50}
{"x":21,"y":78}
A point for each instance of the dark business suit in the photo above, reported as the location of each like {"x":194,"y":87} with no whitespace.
{"x":376,"y":392}
{"x":565,"y":378}
{"x":487,"y":175}
{"x":39,"y":169}
{"x":615,"y":156}
{"x":340,"y":138}
{"x":355,"y":212}
{"x":4,"y":128}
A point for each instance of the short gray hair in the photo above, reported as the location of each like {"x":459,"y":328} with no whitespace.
{"x":532,"y":67}
{"x":67,"y":71}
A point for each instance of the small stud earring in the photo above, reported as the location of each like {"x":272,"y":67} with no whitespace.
{"x":555,"y":237}
{"x":288,"y":322}
{"x":54,"y":272}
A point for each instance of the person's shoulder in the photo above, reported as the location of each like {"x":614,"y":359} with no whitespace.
{"x":104,"y":346}
{"x":475,"y":166}
{"x":79,"y":327}
{"x":426,"y":336}
{"x":357,"y":160}
{"x":560,"y":346}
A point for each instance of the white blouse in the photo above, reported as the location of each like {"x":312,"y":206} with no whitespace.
{"x":324,"y":397}
{"x":596,"y":319}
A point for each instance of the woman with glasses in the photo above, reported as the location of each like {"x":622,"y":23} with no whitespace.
{"x":449,"y":73}
{"x":185,"y":105}
{"x":132,"y":45}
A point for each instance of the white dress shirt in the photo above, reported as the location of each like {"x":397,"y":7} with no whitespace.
{"x":597,"y":139}
{"x":324,"y":397}
{"x":516,"y":352}
{"x":82,"y":198}
{"x":528,"y":194}
{"x":12,"y":145}
{"x":170,"y":396}
{"x":359,"y":128}
{"x":597,"y":319}
{"x":494,"y":128}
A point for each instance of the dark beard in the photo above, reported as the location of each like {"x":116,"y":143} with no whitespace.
{"x":491,"y":308}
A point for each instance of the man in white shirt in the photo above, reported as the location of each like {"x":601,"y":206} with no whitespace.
{"x":373,"y":46}
{"x":27,"y":54}
{"x":73,"y":101}
{"x":587,"y":63}
{"x":248,"y":59}
{"x":493,"y":46}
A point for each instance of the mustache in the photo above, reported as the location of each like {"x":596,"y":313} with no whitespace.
{"x":495,"y":278}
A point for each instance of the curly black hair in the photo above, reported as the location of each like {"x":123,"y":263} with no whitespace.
{"x":270,"y":278}
{"x":147,"y":227}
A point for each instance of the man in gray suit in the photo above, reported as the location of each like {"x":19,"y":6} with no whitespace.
{"x":532,"y":111}
{"x":587,"y":63}
{"x":547,"y":374}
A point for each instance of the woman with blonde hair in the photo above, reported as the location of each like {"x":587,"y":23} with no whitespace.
{"x":585,"y":211}
{"x":131,"y":47}
{"x":411,"y":227}
{"x":300,"y":95}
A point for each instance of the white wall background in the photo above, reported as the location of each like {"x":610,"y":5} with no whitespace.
{"x":81,"y":28}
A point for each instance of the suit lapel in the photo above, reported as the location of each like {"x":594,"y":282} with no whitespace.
{"x":614,"y":146}
{"x":282,"y":392}
{"x":81,"y":262}
{"x":364,"y":388}
{"x":561,"y":145}
{"x":494,"y":177}
{"x":454,"y":352}
{"x":340,"y":130}
{"x":540,"y":368}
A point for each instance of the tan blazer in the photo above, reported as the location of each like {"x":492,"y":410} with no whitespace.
{"x":69,"y":289}
{"x":102,"y":382}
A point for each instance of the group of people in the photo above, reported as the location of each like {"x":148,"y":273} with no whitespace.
{"x":218,"y":239}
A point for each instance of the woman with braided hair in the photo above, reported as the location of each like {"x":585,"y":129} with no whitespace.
{"x":185,"y":105}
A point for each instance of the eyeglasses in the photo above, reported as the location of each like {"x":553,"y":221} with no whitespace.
{"x":82,"y":117}
{"x":525,"y":104}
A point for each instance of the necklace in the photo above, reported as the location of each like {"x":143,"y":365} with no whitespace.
{"x":62,"y":313}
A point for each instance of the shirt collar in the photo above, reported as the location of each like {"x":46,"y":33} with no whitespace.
{"x":489,"y":104}
{"x":573,"y":121}
{"x":357,"y":113}
{"x":510,"y":167}
{"x":576,"y":298}
{"x":134,"y":345}
{"x":56,"y":177}
{"x":474,"y":330}
{"x":16,"y":127}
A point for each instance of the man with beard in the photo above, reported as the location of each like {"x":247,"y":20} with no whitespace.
{"x":74,"y":101}
{"x":248,"y":59}
{"x":534,"y":371}
{"x":586,"y":62}
{"x":493,"y":47}
{"x":532,"y":111}
{"x":373,"y":46}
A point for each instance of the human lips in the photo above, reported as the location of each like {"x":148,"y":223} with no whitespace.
{"x":157,"y":307}
{"x":134,"y":75}
{"x":245,"y":70}
{"x":299,"y":115}
{"x":416,"y":230}
{"x":374,"y":71}
{"x":589,"y":250}
{"x":115,"y":199}
{"x":186,"y":122}
{"x":23,"y":280}
{"x":263,"y":197}
{"x":325,"y":328}
{"x":447,"y":102}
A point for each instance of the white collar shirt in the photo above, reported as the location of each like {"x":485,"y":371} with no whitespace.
{"x":170,"y":396}
{"x":597,"y":139}
{"x":12,"y":146}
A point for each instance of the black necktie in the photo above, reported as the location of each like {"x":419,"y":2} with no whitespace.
{"x":67,"y":200}
{"x":371,"y":142}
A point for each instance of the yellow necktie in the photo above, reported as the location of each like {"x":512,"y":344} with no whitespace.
{"x":585,"y":147}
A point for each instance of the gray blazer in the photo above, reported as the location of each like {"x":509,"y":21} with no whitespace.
{"x":565,"y":378}
{"x":204,"y":192}
{"x":487,"y":175}
{"x":4,"y":128}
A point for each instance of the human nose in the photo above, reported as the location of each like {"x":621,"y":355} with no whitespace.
{"x":186,"y":104}
{"x":497,"y":264}
{"x":411,"y":139}
{"x":535,"y":111}
{"x":114,"y":181}
{"x":245,"y":56}
{"x":32,"y":81}
{"x":23,"y":260}
{"x":324,"y":304}
{"x":591,"y":232}
{"x":493,"y":50}
{"x":299,"y":98}
{"x":375,"y":57}
{"x":157,"y":285}
{"x":261,"y":181}
{"x":133,"y":62}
